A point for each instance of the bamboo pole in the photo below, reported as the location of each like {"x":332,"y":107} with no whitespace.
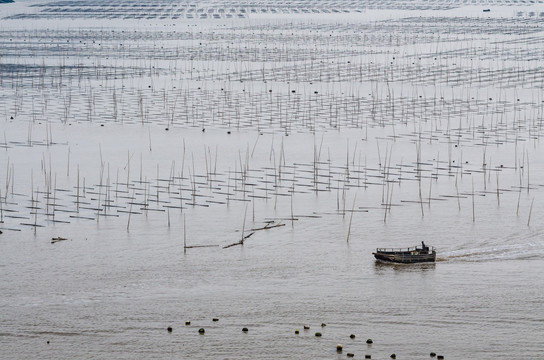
{"x":351,"y":217}
{"x":473,"y":211}
{"x":130,"y":209}
{"x":530,"y":212}
{"x":243,"y":227}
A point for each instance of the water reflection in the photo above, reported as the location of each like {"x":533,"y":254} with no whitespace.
{"x":381,"y":267}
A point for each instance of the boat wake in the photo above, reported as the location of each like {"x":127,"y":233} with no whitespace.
{"x":532,"y":248}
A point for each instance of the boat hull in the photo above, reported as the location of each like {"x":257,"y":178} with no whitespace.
{"x":405,"y":257}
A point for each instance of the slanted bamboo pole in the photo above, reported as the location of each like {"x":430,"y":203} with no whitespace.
{"x":351,"y":217}
{"x":530,"y":212}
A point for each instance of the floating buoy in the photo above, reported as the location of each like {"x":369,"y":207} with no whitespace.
{"x":297,"y":332}
{"x":245,"y":329}
{"x":350,"y":355}
{"x":369,"y":341}
{"x":228,"y":132}
{"x":166,"y":129}
{"x":393,"y":356}
{"x":187,"y":323}
{"x":318,"y":334}
{"x":339,"y":348}
{"x":215,"y":319}
{"x":433,"y":354}
{"x":201,"y":331}
{"x":352,"y":336}
{"x":169,"y":329}
{"x":48,"y":341}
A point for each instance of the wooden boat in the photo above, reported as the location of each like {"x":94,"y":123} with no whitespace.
{"x":416,"y":254}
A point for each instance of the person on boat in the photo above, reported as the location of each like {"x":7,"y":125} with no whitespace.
{"x":424,"y":248}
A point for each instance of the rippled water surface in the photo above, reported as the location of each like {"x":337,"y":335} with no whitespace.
{"x":114,"y":294}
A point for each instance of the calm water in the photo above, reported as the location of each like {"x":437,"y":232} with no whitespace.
{"x":105,"y":293}
{"x":232,"y":125}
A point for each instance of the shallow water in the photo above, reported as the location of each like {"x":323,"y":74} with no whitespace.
{"x":346,"y":142}
{"x":114,"y":294}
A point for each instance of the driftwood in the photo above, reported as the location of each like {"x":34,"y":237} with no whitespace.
{"x":269,"y":225}
{"x":241,"y":242}
{"x":57,"y":239}
{"x":199,"y":246}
